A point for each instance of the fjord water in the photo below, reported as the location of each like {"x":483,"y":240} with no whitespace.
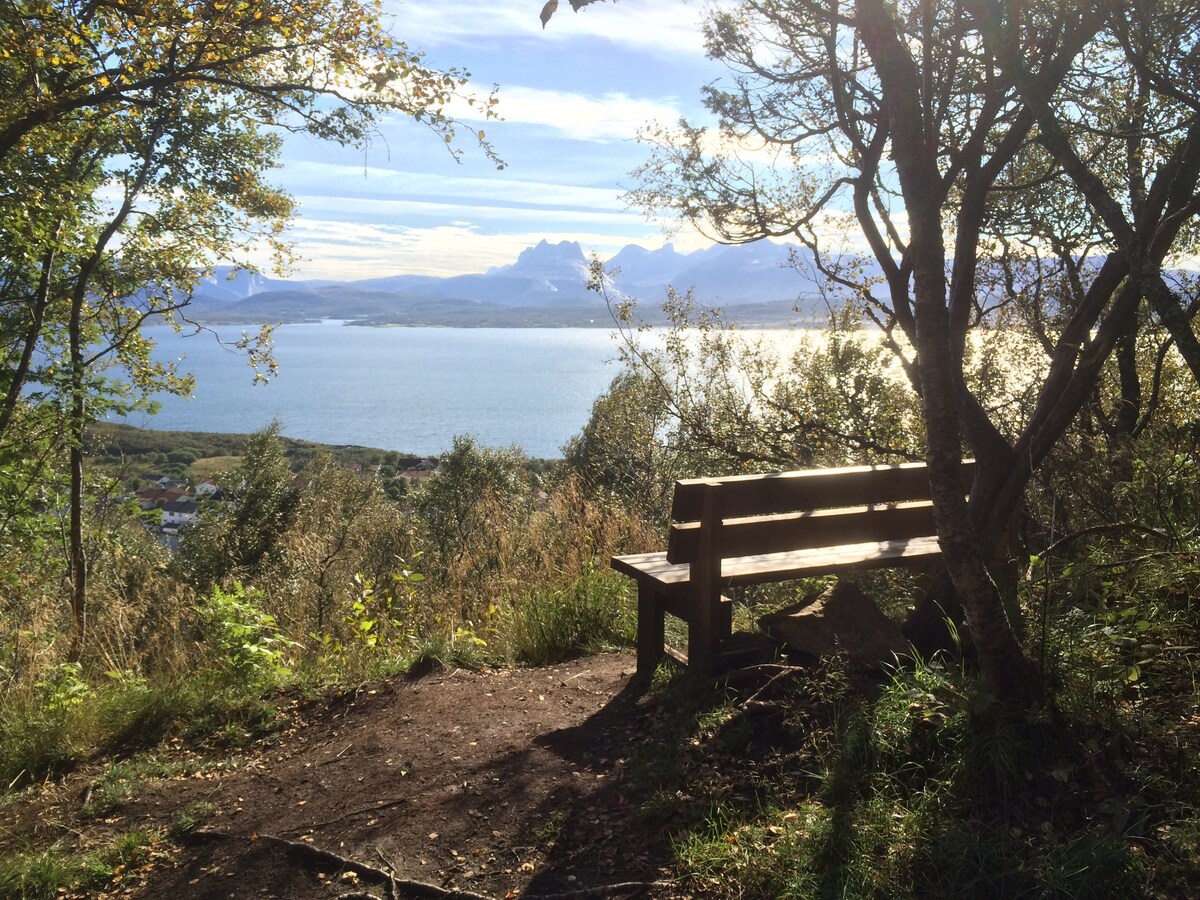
{"x":406,"y":389}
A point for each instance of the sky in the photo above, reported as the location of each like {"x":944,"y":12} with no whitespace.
{"x":573,"y":98}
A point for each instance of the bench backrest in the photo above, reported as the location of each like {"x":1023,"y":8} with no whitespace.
{"x":812,"y":508}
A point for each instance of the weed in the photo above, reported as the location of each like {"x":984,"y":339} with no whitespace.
{"x":462,"y":648}
{"x":123,"y":715}
{"x":917,"y":788}
{"x":553,"y":825}
{"x":188,"y":818}
{"x":246,"y":643}
{"x":62,"y":687}
{"x":40,"y":874}
{"x":37,"y":741}
{"x":120,"y":780}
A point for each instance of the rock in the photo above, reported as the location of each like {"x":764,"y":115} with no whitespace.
{"x":744,"y":648}
{"x":841,"y":620}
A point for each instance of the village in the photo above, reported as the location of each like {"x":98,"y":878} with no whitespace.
{"x":181,"y":502}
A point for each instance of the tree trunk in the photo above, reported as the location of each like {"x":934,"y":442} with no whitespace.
{"x":1007,"y":670}
{"x":78,"y":408}
{"x":37,"y":316}
{"x":1177,"y":319}
{"x":930,"y":626}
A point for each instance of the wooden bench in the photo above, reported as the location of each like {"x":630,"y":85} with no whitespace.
{"x":755,"y":529}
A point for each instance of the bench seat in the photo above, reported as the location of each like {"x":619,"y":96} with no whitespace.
{"x":765,"y":568}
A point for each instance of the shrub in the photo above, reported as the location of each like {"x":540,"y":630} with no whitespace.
{"x":245,"y":642}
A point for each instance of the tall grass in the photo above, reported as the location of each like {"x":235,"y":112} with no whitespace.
{"x":529,"y":552}
{"x":44,"y":874}
{"x":549,"y":625}
{"x":41,"y":736}
{"x":531,"y":586}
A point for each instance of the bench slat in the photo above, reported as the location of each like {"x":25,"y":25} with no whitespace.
{"x":781,"y":492}
{"x":783,"y":533}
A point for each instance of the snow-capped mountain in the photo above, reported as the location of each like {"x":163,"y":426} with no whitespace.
{"x":546,"y":276}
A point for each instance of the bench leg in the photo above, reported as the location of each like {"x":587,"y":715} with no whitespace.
{"x":650,"y":630}
{"x":704,"y":633}
{"x":704,"y":596}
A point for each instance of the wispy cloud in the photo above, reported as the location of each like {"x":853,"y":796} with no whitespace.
{"x":572,"y":100}
{"x":599,"y":118}
{"x":313,"y":179}
{"x":660,"y":28}
{"x":351,"y":251}
{"x":410,"y":210}
{"x":340,"y":249}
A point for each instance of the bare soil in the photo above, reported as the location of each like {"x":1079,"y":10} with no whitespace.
{"x":498,"y":783}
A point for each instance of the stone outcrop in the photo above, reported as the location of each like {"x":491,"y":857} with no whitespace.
{"x":841,"y":620}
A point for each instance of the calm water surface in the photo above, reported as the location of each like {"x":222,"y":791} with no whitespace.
{"x":408,"y":389}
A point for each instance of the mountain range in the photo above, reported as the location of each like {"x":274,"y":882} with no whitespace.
{"x":757,"y":284}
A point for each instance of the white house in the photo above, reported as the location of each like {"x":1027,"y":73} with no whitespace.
{"x":178,"y":513}
{"x":206,"y":487}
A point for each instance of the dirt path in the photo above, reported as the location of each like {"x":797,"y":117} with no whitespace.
{"x":500,"y":783}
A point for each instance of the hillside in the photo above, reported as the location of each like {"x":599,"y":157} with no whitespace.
{"x":141,"y":452}
{"x":571,"y":781}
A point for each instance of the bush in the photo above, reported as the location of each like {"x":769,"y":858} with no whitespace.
{"x":475,"y":493}
{"x":244,"y":642}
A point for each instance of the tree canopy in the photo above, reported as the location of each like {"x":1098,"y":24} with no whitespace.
{"x":137,"y":142}
{"x":956,"y":164}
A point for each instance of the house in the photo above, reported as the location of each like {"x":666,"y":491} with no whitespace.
{"x":178,"y":513}
{"x":414,"y":475}
{"x":206,"y":487}
{"x":412,"y":463}
{"x":153,"y":496}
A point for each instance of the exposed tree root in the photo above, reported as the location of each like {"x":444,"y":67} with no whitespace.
{"x":760,"y":678}
{"x":318,"y":857}
{"x":632,"y":888}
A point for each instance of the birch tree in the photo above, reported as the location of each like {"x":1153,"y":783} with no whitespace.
{"x":137,"y":142}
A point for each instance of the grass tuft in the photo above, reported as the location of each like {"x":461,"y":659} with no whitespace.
{"x":49,"y":873}
{"x":593,"y":613}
